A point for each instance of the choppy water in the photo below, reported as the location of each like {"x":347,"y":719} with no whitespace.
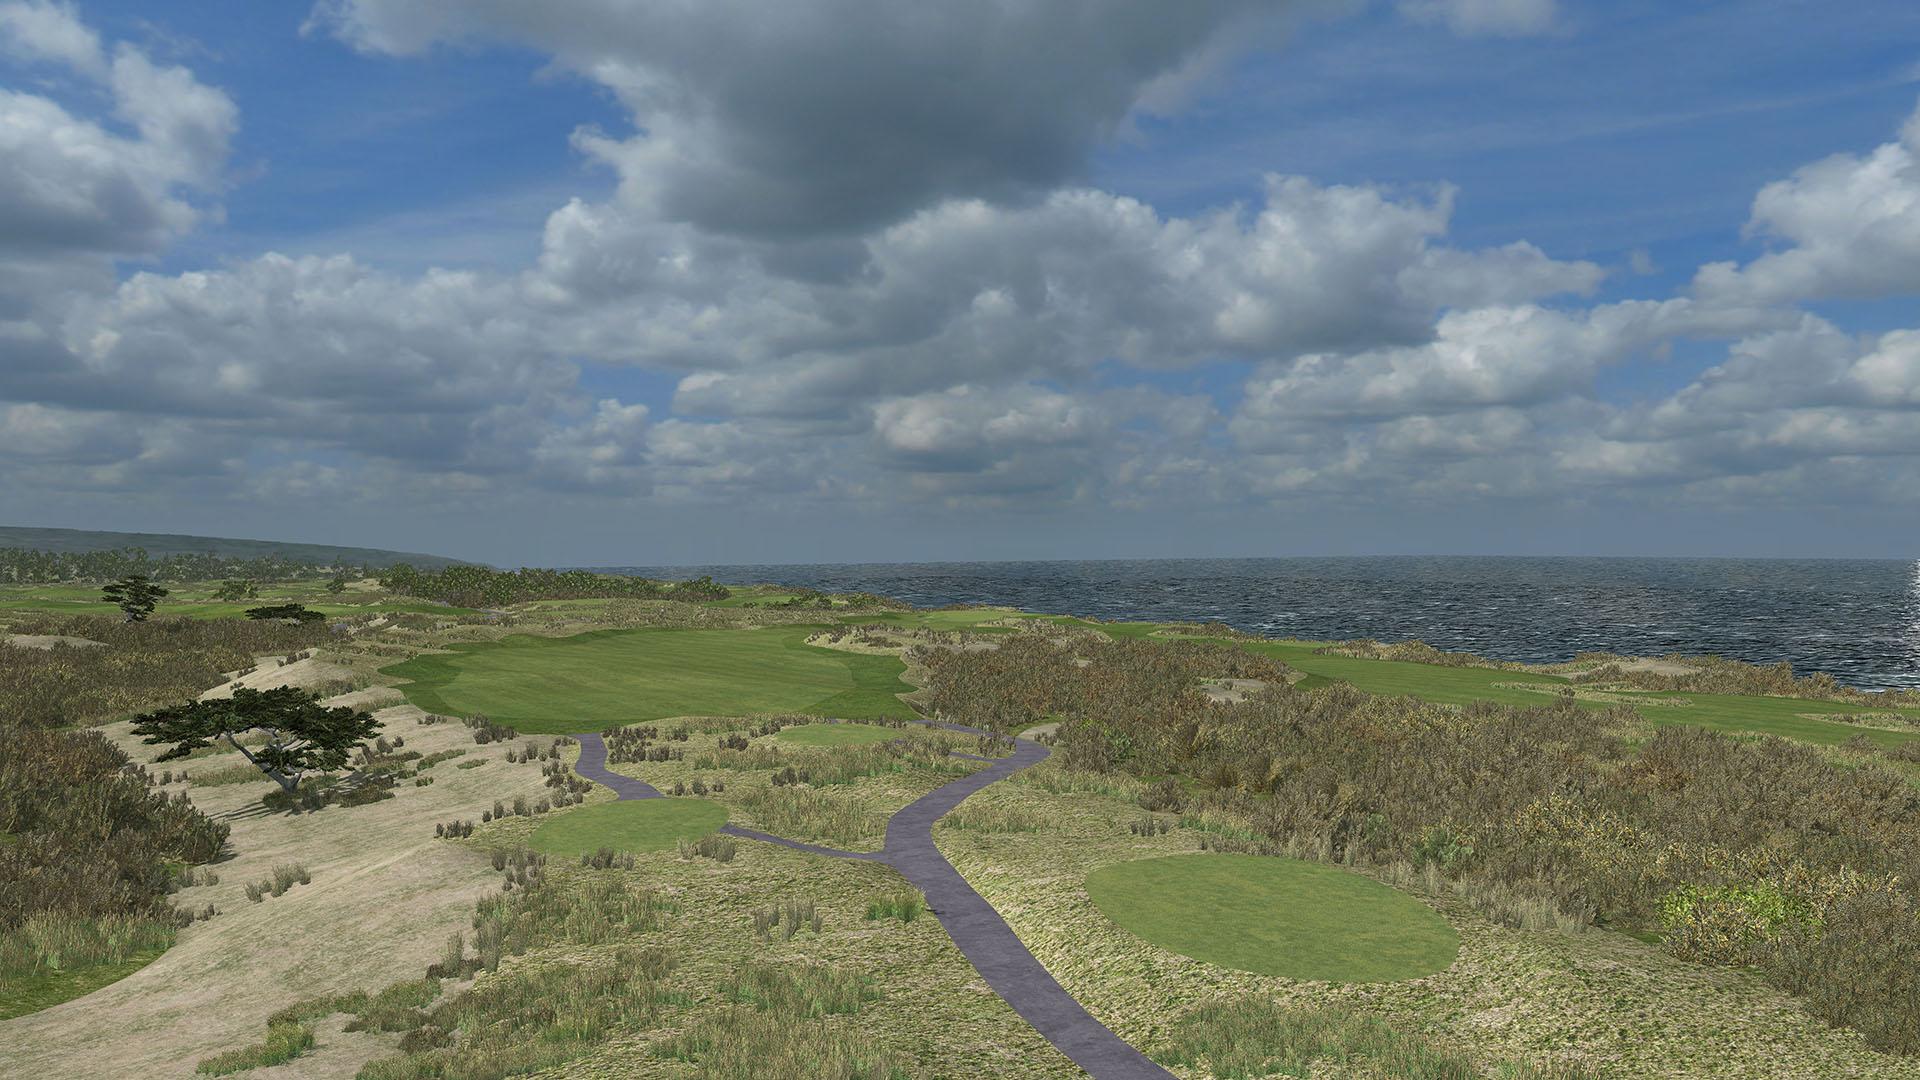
{"x":1858,"y":620}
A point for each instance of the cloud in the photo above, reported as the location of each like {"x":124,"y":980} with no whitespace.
{"x":606,"y":451}
{"x":1851,"y":226}
{"x":973,"y":292}
{"x":1472,"y":18}
{"x":39,"y":32}
{"x":976,"y":327}
{"x":76,"y":195}
{"x":1480,"y":357}
{"x":821,"y":116}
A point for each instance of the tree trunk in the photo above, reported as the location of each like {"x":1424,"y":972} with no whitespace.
{"x":287,"y":784}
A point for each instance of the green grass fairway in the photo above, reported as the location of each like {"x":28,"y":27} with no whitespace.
{"x":836,"y":734}
{"x":1785,"y":717}
{"x":1297,"y":920}
{"x":634,"y":825}
{"x":592,"y":681}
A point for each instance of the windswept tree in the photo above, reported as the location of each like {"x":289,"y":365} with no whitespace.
{"x":237,"y":589}
{"x":302,"y":735}
{"x":337,"y":584}
{"x":295,"y":612}
{"x":134,"y":595}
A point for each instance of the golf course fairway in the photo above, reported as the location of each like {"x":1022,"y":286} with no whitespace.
{"x":1272,"y":916}
{"x":592,"y":681}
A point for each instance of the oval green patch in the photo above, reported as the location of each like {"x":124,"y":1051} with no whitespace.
{"x":633,"y":825}
{"x":1297,"y":920}
{"x":835,"y":734}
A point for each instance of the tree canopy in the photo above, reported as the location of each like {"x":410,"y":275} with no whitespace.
{"x":296,"y":612}
{"x":302,"y":735}
{"x":237,"y":589}
{"x":135,"y":596}
{"x":480,"y":586}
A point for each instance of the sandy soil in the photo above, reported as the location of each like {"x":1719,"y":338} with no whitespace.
{"x":305,"y":674}
{"x":1231,"y":690}
{"x":48,"y":641}
{"x":1657,"y":667}
{"x":384,"y":898}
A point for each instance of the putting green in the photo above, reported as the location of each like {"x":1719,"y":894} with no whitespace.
{"x":835,"y":734}
{"x":633,"y":825}
{"x":1297,"y":920}
{"x":592,"y":681}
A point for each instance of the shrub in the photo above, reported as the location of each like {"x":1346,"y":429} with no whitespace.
{"x":905,"y":906}
{"x":606,"y":859}
{"x":712,"y":846}
{"x":284,"y":1042}
{"x":89,"y":836}
{"x":486,"y":731}
{"x":144,"y":666}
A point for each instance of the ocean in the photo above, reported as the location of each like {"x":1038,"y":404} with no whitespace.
{"x":1856,"y":619}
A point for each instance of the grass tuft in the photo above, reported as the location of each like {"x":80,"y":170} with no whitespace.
{"x":284,"y":1042}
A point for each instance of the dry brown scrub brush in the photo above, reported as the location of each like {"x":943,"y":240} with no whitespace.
{"x":145,"y":665}
{"x":1417,"y":652}
{"x":1719,"y":675}
{"x":90,"y":838}
{"x":1035,"y":675}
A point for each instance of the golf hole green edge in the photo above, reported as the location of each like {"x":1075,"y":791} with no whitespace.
{"x":1274,"y":916}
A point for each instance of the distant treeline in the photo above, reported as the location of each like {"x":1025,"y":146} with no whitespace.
{"x":20,"y":566}
{"x":479,"y":586}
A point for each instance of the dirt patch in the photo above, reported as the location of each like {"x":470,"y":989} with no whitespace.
{"x":1585,"y":693}
{"x":48,"y":641}
{"x":373,"y":697}
{"x":1229,"y":691}
{"x":869,"y":646}
{"x":305,"y":674}
{"x":1624,"y":665}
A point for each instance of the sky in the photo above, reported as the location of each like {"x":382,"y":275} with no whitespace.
{"x":762,"y":281}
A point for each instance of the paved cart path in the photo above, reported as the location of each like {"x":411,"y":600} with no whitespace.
{"x":983,"y":936}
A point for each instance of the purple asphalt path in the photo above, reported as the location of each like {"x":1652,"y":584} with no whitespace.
{"x":986,"y":940}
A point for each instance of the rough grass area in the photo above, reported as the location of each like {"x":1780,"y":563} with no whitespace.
{"x":1283,"y":917}
{"x":669,"y":969}
{"x":612,"y":677}
{"x":835,"y":734}
{"x":837,"y":796}
{"x":636,"y":825}
{"x":31,"y":991}
{"x":1256,"y":1037}
{"x":284,"y":1042}
{"x":1543,"y":998}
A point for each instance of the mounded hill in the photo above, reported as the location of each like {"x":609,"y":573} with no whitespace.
{"x":160,"y":545}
